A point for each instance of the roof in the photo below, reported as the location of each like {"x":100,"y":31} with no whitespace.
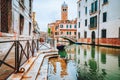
{"x":64,"y":5}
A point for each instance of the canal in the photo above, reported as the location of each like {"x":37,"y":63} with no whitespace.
{"x":85,"y":62}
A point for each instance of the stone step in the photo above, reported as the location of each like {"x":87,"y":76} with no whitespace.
{"x":31,"y":67}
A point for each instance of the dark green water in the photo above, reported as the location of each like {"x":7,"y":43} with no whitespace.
{"x":85,"y":62}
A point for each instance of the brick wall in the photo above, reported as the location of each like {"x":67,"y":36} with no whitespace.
{"x":102,"y":41}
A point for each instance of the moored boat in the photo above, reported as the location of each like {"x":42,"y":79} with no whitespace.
{"x":60,"y":46}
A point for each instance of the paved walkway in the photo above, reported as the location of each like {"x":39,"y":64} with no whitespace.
{"x":33,"y":65}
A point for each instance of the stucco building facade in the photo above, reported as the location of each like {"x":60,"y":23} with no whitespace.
{"x":16,"y":17}
{"x":98,"y":22}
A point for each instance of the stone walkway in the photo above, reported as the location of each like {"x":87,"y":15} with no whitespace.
{"x":32,"y":66}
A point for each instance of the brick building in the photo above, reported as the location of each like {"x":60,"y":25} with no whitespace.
{"x":63,"y":27}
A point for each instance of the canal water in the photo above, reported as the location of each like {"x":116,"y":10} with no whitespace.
{"x":85,"y":62}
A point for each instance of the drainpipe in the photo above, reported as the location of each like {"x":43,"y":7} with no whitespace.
{"x":98,"y":32}
{"x":98,"y":21}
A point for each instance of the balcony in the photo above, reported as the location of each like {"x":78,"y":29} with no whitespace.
{"x":91,"y":12}
{"x":92,"y":27}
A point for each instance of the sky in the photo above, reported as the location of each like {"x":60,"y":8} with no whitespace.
{"x":48,"y":11}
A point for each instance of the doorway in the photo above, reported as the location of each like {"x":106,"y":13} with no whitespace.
{"x":93,"y":37}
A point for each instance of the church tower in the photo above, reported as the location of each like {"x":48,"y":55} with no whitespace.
{"x":64,"y":11}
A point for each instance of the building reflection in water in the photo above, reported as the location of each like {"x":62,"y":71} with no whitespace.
{"x":98,"y":63}
{"x":59,"y":66}
{"x":92,"y":63}
{"x":119,"y":60}
{"x":103,"y":57}
{"x":93,"y":51}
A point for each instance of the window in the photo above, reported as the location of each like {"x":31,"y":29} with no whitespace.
{"x":78,"y":34}
{"x":104,"y":33}
{"x":85,"y":10}
{"x":75,"y":26}
{"x":30,"y":6}
{"x":55,"y":33}
{"x":21,"y":25}
{"x":70,"y":33}
{"x":61,"y":26}
{"x":79,"y":24}
{"x":119,"y":32}
{"x":4,"y":16}
{"x":64,"y":9}
{"x":67,"y":33}
{"x":61,"y":32}
{"x":104,"y":17}
{"x":70,"y":26}
{"x":74,"y":33}
{"x":85,"y":34}
{"x":93,"y":22}
{"x":29,"y":28}
{"x":105,"y":1}
{"x":94,"y":7}
{"x":56,"y":28}
{"x":86,"y":22}
{"x":66,"y":26}
{"x":79,"y":14}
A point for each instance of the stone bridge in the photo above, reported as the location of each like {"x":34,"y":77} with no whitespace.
{"x":71,"y":39}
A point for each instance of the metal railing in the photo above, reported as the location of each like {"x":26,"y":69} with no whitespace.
{"x":20,"y":52}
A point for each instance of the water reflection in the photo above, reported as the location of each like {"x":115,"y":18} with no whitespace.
{"x":62,"y":53}
{"x":90,"y":67}
{"x":93,"y":51}
{"x":119,"y":60}
{"x":60,"y":69}
{"x":90,"y":63}
{"x":103,"y":58}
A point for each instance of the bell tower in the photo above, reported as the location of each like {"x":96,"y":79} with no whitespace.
{"x":64,"y":11}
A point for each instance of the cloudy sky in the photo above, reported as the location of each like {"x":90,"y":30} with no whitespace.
{"x":48,"y":11}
